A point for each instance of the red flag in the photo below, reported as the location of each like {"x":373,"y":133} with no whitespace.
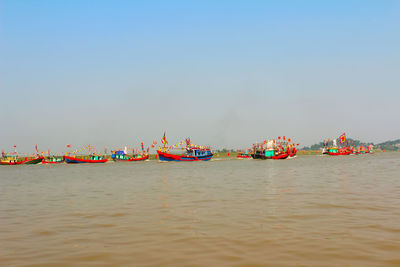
{"x":342,"y":138}
{"x":68,"y":145}
{"x":279,"y":138}
{"x":284,"y":137}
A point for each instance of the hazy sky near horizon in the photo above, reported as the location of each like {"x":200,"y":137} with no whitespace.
{"x":225,"y":73}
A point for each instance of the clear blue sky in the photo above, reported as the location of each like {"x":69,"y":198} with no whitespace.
{"x":226,"y":73}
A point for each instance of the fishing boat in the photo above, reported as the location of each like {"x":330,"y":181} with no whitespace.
{"x":53,"y":160}
{"x":274,"y":149}
{"x":16,"y":161}
{"x":120,"y":155}
{"x":36,"y":160}
{"x":243,"y":156}
{"x":340,"y":153}
{"x":10,"y":162}
{"x":190,"y":155}
{"x":92,"y":159}
{"x":192,"y":152}
{"x":335,"y":151}
{"x":338,"y":150}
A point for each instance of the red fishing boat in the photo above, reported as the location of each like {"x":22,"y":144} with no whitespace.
{"x":92,"y":159}
{"x":274,"y":149}
{"x":193,"y":155}
{"x":243,"y":156}
{"x":193,"y":152}
{"x":336,"y":149}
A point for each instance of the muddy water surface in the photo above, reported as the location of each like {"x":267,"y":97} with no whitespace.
{"x":308,"y":211}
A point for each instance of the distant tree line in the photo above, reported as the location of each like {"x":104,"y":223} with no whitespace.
{"x":223,"y":150}
{"x":389,"y":145}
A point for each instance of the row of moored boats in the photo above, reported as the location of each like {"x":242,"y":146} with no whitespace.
{"x":277,"y":149}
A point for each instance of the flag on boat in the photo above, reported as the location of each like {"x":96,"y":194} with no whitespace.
{"x":342,"y":138}
{"x":164,"y":139}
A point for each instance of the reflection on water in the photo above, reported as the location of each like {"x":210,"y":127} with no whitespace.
{"x":312,"y":210}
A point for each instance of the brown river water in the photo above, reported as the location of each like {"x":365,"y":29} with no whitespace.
{"x":307,"y":211}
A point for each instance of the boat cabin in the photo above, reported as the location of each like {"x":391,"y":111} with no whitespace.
{"x":333,"y":150}
{"x":95,"y":157}
{"x":119,"y":154}
{"x":198,"y":152}
{"x":269,"y":153}
{"x":55,"y":159}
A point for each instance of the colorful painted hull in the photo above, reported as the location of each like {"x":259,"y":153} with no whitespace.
{"x":171,"y":157}
{"x":260,"y":156}
{"x":25,"y":161}
{"x":78,"y":160}
{"x":133,"y":159}
{"x":242,"y":156}
{"x":10,"y":162}
{"x":34,"y":161}
{"x":281,"y":156}
{"x":340,"y":153}
{"x":52,"y":162}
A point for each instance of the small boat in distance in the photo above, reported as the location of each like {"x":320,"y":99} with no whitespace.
{"x":339,"y":152}
{"x":121,"y":155}
{"x":335,"y":149}
{"x":243,"y":156}
{"x":91,"y":159}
